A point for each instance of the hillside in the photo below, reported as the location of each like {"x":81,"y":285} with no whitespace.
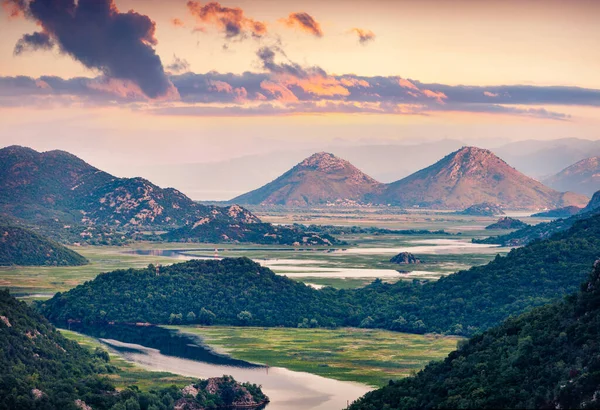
{"x":547,"y":358}
{"x":19,"y":246}
{"x":463,"y":303}
{"x":60,"y":195}
{"x":320,"y":179}
{"x":564,"y":212}
{"x":471,"y":176}
{"x":544,"y":230}
{"x":507,"y":223}
{"x":582,"y":177}
{"x":40,"y":369}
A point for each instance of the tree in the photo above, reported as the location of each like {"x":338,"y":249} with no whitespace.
{"x":206,"y":317}
{"x":191,"y":317}
{"x":244,"y":317}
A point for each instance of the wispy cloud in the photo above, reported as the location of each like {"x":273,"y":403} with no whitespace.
{"x":364,"y":36}
{"x":304,"y":22}
{"x":232,"y":21}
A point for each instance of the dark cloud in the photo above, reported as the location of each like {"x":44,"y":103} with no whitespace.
{"x":179,"y":65}
{"x":305,"y":22}
{"x":94,"y":32}
{"x":266,"y":56}
{"x":38,"y":40}
{"x":231,"y":20}
{"x":364,"y":36}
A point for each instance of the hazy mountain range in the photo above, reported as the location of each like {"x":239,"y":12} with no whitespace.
{"x":582,"y":177}
{"x":385,"y":162}
{"x":461,"y":179}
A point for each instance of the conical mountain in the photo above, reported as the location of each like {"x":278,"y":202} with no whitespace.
{"x":320,"y":179}
{"x":471,"y":176}
{"x":582,"y":177}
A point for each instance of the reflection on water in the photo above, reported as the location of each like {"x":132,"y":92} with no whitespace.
{"x":159,"y":349}
{"x":305,"y":268}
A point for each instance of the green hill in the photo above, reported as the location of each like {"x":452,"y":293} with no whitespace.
{"x":40,"y":369}
{"x":19,"y":246}
{"x":463,"y":303}
{"x":547,"y":358}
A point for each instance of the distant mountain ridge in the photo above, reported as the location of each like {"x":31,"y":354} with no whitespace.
{"x":59,"y":189}
{"x":582,"y":177}
{"x":461,"y":179}
{"x":320,"y":179}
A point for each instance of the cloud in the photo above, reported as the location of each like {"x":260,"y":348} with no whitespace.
{"x":404,"y":83}
{"x":95,"y":33}
{"x":287,"y":88}
{"x":364,"y":36}
{"x":38,"y":40}
{"x":14,"y":8}
{"x":177,"y":22}
{"x":490,"y":94}
{"x":304,"y":22}
{"x":231,"y":20}
{"x":178,"y":65}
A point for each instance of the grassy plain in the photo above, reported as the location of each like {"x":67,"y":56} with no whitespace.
{"x":129,"y":374}
{"x":367,"y":356}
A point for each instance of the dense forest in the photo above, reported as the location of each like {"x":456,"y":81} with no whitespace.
{"x":546,"y":358}
{"x":20,"y":246}
{"x":40,"y":369}
{"x":241,"y":292}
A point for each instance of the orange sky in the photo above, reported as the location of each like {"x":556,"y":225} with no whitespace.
{"x":447,"y":42}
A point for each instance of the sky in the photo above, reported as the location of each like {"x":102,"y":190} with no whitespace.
{"x":139,"y":82}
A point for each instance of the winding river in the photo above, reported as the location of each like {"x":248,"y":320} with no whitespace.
{"x":159,"y":349}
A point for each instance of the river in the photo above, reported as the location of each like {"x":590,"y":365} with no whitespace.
{"x":159,"y":349}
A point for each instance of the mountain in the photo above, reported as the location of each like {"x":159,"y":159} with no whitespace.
{"x":544,"y":230}
{"x":564,"y":212}
{"x":19,"y":246}
{"x":58,"y":193}
{"x":542,"y":158}
{"x":320,"y":179}
{"x":582,"y":177}
{"x":463,"y":303}
{"x":593,"y":205}
{"x":470,"y":176}
{"x":547,"y":358}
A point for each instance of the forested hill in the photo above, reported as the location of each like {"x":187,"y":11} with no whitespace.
{"x":544,"y":230}
{"x":20,"y":246}
{"x":40,"y":369}
{"x":547,"y":358}
{"x":239,"y":291}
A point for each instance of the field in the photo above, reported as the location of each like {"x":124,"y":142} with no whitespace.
{"x":129,"y":374}
{"x":367,"y":256}
{"x":367,"y":356}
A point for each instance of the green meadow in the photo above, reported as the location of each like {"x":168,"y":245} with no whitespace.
{"x":367,"y":356}
{"x":129,"y":374}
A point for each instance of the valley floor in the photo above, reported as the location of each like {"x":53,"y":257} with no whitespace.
{"x":368,"y":356}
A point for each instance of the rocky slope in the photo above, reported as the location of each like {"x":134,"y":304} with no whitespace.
{"x":19,"y":246}
{"x":320,"y":179}
{"x":507,"y":223}
{"x":582,"y":177}
{"x":58,"y":192}
{"x":470,"y":176}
